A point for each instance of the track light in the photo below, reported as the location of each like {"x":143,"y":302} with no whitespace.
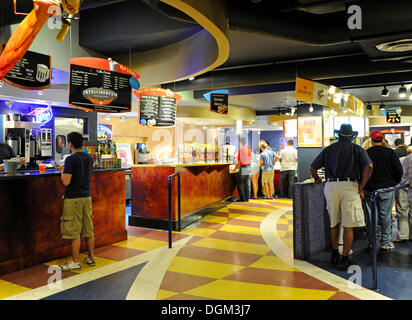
{"x":385,"y":92}
{"x":369,"y":107}
{"x":311,"y":108}
{"x":192,"y":78}
{"x":382,"y":107}
{"x":402,"y":92}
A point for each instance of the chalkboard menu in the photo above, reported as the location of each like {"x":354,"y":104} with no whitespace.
{"x":33,"y":71}
{"x":99,"y":90}
{"x":157,"y":111}
{"x":219,"y":103}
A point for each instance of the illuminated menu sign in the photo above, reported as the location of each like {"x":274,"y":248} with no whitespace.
{"x":99,"y":90}
{"x":158,"y":111}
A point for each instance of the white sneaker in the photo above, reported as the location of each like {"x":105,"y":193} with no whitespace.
{"x":387,"y":246}
{"x":89,"y":261}
{"x":340,"y":249}
{"x":69,"y":266}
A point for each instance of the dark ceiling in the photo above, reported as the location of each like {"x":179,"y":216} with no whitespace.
{"x":271,"y":42}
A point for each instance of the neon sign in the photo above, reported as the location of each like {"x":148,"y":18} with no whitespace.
{"x":42,"y":115}
{"x":104,"y":132}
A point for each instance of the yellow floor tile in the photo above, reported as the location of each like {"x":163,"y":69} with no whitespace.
{"x":234,"y":290}
{"x":247,"y":217}
{"x":250,"y":208}
{"x":100,"y":262}
{"x":224,"y":209}
{"x":143,"y":244}
{"x":215,"y":219}
{"x":241,"y":229}
{"x":290,"y":227}
{"x":283,"y":221}
{"x":200,"y":232}
{"x":163,"y":294}
{"x":236,"y":246}
{"x":8,"y":289}
{"x":273,"y":263}
{"x":203,"y":268}
{"x":282,"y":233}
{"x":289,"y":201}
{"x":288,"y":216}
{"x":289,"y":242}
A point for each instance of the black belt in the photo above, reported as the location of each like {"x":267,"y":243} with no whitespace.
{"x":340,"y":179}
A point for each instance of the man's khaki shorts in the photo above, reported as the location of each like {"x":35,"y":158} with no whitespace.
{"x":344,"y":204}
{"x":268,"y":176}
{"x":77,"y":219}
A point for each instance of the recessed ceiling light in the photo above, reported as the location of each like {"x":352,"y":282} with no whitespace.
{"x":192,"y":78}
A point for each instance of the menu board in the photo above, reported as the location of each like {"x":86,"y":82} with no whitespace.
{"x":158,"y":111}
{"x":310,"y":132}
{"x":99,"y":90}
{"x":219,"y":103}
{"x":33,"y":71}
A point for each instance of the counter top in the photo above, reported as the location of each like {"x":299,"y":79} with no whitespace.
{"x":49,"y":172}
{"x":176,"y":165}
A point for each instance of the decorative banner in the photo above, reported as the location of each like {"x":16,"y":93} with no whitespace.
{"x":208,"y":95}
{"x":310,"y":132}
{"x":329,"y":96}
{"x":32,"y":72}
{"x":393,"y":116}
{"x":100,"y":85}
{"x":219,"y":103}
{"x":157,"y":107}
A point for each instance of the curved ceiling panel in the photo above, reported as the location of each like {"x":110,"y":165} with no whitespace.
{"x":202,"y":52}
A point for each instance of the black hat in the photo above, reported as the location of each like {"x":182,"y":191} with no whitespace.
{"x":346,"y":131}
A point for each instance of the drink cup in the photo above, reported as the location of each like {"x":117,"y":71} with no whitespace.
{"x":42,"y":168}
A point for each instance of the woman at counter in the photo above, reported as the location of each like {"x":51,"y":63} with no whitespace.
{"x":255,"y":172}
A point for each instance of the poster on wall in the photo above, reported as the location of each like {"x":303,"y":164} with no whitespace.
{"x":123,"y":152}
{"x":32,"y":72}
{"x":310,"y":132}
{"x":393,"y":116}
{"x":290,"y":128}
{"x":219,"y":103}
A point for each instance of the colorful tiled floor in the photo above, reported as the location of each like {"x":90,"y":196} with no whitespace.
{"x":223,"y":256}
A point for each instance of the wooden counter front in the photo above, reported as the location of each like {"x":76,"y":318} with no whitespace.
{"x":30,"y":217}
{"x":201,"y":186}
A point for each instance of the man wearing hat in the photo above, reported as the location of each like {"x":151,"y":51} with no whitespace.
{"x":347,"y":170}
{"x":387,"y":172}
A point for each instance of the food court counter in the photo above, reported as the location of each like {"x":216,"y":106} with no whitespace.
{"x":201,"y":186}
{"x":31,"y":207}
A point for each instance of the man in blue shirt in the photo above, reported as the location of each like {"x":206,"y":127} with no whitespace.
{"x":347,"y":170}
{"x":267,"y":160}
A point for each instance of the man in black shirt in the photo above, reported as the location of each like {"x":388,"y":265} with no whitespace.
{"x":347,"y":169}
{"x":77,"y":219}
{"x":401,"y":148}
{"x":6,"y":153}
{"x":387,"y":172}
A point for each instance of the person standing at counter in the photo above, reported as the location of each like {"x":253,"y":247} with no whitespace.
{"x":77,"y":219}
{"x":267,"y":160}
{"x":6,"y":153}
{"x":244,"y":161}
{"x":255,"y":172}
{"x":387,"y":172}
{"x":288,"y":167}
{"x":345,"y":163}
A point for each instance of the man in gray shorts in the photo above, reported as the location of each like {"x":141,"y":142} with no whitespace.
{"x":77,"y":219}
{"x":347,"y":170}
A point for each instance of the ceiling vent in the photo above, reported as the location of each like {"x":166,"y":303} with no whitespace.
{"x":396,"y":46}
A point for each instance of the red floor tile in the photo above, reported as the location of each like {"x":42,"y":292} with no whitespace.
{"x":249,"y":212}
{"x":33,"y":277}
{"x":246,"y":223}
{"x":282,"y":226}
{"x":180,"y":282}
{"x":288,"y":235}
{"x":224,"y":235}
{"x":279,"y":278}
{"x":210,"y":225}
{"x":187,"y":297}
{"x":343,"y":296}
{"x":216,"y":255}
{"x":116,"y":253}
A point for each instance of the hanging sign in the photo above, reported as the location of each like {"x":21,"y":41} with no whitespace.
{"x":157,"y":107}
{"x":393,"y":116}
{"x":219,"y":103}
{"x":100,"y":85}
{"x":32,"y":72}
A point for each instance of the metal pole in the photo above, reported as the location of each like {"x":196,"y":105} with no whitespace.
{"x":374,"y":251}
{"x":178,"y":203}
{"x":170,"y":210}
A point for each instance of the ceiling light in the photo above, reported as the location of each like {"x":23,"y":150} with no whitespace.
{"x":107,"y":117}
{"x":123,"y":118}
{"x":382,"y":107}
{"x":40,"y":92}
{"x":311,"y":108}
{"x":332,"y":90}
{"x":369,"y":107}
{"x":385,"y":92}
{"x":192,"y":78}
{"x":402,"y":92}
